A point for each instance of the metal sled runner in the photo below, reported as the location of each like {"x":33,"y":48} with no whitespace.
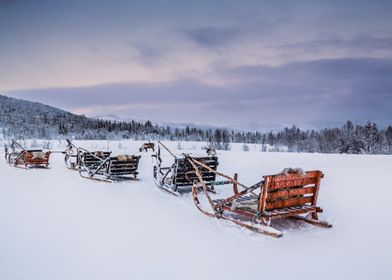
{"x":285,"y":195}
{"x":179,"y":176}
{"x":18,"y":156}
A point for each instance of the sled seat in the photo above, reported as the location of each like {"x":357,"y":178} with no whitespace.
{"x":285,"y":195}
{"x":124,"y":166}
{"x":36,"y":157}
{"x":185,"y":174}
{"x":251,"y":203}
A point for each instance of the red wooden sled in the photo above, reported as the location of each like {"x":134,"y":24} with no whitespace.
{"x":18,"y":156}
{"x":284,"y":195}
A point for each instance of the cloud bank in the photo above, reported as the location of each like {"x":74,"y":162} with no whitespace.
{"x":219,"y":62}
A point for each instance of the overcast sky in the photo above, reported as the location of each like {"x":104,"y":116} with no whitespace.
{"x":207,"y":62}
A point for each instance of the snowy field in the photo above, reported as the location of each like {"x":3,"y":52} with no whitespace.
{"x":56,"y":225}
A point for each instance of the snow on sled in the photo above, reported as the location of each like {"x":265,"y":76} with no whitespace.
{"x":290,"y":194}
{"x":180,"y":175}
{"x":101,"y":165}
{"x":18,"y":156}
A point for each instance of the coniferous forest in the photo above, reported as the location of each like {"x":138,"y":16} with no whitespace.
{"x":22,"y":119}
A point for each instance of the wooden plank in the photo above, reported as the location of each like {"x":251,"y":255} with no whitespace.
{"x":235,"y":186}
{"x":288,"y":176}
{"x":186,"y":167}
{"x":124,"y":173}
{"x":288,"y":202}
{"x":263,"y":195}
{"x":115,"y":164}
{"x":299,"y":211}
{"x":37,"y":160}
{"x":247,"y":198}
{"x":186,"y":177}
{"x":192,"y":174}
{"x":122,"y":170}
{"x":93,"y":160}
{"x":191,"y":171}
{"x":287,"y":193}
{"x":123,"y":167}
{"x":292,"y":183}
{"x":30,"y":159}
{"x":120,"y":162}
{"x":192,"y":179}
{"x":321,"y":175}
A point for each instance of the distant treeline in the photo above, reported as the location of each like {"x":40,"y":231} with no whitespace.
{"x":27,"y":120}
{"x":350,"y":139}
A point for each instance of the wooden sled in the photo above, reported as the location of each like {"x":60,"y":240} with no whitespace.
{"x":100,"y":165}
{"x":285,"y":195}
{"x":16,"y":155}
{"x":179,"y":177}
{"x":112,"y":168}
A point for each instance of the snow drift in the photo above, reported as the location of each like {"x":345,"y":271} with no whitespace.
{"x":56,"y":225}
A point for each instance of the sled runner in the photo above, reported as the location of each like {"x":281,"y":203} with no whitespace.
{"x":18,"y":156}
{"x":147,"y":146}
{"x":179,"y":176}
{"x":285,"y":195}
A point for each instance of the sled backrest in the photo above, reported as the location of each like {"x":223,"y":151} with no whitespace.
{"x":290,"y":190}
{"x":184,"y":174}
{"x":36,"y":157}
{"x":124,"y":165}
{"x":92,"y":159}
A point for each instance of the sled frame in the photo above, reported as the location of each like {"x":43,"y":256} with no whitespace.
{"x":277,"y":196}
{"x":102,"y":168}
{"x":178,"y":178}
{"x":22,"y":158}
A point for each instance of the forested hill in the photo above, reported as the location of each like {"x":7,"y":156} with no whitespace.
{"x":27,"y":120}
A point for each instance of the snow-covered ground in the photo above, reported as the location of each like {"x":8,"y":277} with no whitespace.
{"x":56,"y":225}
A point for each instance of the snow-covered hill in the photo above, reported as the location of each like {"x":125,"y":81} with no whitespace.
{"x":56,"y":225}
